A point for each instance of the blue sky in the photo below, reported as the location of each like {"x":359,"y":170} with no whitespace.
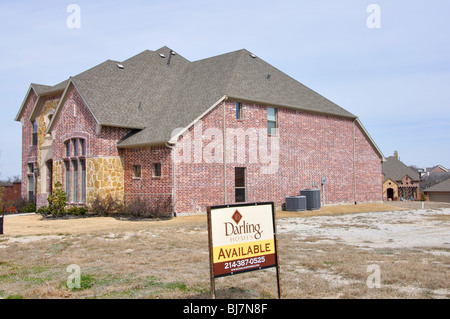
{"x":395,"y":78}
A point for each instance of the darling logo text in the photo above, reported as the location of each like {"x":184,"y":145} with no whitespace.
{"x":243,"y":231}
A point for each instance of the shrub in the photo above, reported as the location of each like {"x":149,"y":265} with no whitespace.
{"x":11,"y":210}
{"x":29,"y":208}
{"x":138,"y":208}
{"x":23,"y":205}
{"x":105,"y":206}
{"x":43,"y":210}
{"x":57,"y":200}
{"x":141,"y":208}
{"x":76,"y":210}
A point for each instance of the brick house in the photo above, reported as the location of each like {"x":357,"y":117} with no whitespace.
{"x":225,"y":129}
{"x":400,"y":182}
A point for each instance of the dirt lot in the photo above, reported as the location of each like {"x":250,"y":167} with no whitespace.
{"x":335,"y":252}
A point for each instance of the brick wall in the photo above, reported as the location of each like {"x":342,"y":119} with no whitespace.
{"x":102,"y":155}
{"x":156,"y":189}
{"x":306,"y":148}
{"x":311,"y":146}
{"x":29,"y":152}
{"x":10,"y":194}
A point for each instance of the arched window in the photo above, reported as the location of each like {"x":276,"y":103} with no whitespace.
{"x":75,"y":170}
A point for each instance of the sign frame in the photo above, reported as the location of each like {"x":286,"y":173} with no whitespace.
{"x":274,"y":263}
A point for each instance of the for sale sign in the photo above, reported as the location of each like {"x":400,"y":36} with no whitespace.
{"x":242,"y":238}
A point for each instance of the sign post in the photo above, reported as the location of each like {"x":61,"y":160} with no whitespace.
{"x":2,"y":218}
{"x":1,"y":223}
{"x":242,"y":238}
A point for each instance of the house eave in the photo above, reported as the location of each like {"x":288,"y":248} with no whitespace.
{"x":143,"y":144}
{"x":22,"y":107}
{"x":370,"y":139}
{"x":287,"y":106}
{"x":33,"y":114}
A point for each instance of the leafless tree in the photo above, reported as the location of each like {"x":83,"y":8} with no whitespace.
{"x":434,"y":179}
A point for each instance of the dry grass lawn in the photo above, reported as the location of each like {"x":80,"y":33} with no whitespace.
{"x":169,"y":259}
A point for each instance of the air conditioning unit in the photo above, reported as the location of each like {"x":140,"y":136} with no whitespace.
{"x":312,"y":198}
{"x":296,"y":203}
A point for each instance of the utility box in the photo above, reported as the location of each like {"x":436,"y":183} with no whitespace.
{"x":312,"y":198}
{"x":296,"y":203}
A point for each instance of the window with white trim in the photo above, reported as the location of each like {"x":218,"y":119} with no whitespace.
{"x":271,"y":121}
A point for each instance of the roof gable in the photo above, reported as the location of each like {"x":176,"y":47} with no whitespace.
{"x":158,"y":91}
{"x":40,"y":91}
{"x":24,"y":103}
{"x":436,"y":168}
{"x":397,"y":170}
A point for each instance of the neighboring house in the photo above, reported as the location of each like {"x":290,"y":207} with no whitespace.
{"x":436,"y":169}
{"x":427,"y":171}
{"x":226,"y":129}
{"x":439,"y":192}
{"x":400,"y":182}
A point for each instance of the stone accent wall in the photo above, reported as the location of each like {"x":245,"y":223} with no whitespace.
{"x":104,"y":177}
{"x":57,"y":172}
{"x":44,"y":148}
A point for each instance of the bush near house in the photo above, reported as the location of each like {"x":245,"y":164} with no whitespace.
{"x":19,"y":205}
{"x":106,"y":207}
{"x":142,"y":208}
{"x":68,"y":211}
{"x":57,"y":206}
{"x":11,"y":210}
{"x":57,"y":200}
{"x":138,"y":208}
{"x":76,"y":210}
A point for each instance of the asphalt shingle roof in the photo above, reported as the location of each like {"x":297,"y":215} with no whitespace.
{"x":394,"y":169}
{"x":147,"y":94}
{"x":441,"y":187}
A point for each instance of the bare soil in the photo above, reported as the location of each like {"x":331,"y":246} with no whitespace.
{"x":328,"y":253}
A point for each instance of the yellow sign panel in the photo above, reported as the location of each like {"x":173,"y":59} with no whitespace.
{"x":243,"y":250}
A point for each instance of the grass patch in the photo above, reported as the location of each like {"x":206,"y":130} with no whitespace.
{"x":86,"y":282}
{"x":14,"y":297}
{"x":169,"y":259}
{"x":153,"y":282}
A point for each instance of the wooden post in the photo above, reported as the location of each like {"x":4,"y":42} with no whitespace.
{"x":278,"y":281}
{"x":1,"y":222}
{"x":211,"y":261}
{"x":276,"y":251}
